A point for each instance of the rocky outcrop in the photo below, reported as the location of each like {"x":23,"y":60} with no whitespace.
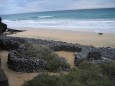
{"x":10,"y":42}
{"x":28,"y":58}
{"x":15,"y":42}
{"x":3,"y":77}
{"x":56,"y":45}
{"x":3,"y":26}
{"x":25,"y":64}
{"x":96,"y":55}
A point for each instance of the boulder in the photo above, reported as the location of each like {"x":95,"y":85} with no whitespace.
{"x":94,"y":56}
{"x":3,"y":78}
{"x":32,"y":58}
{"x":3,"y":26}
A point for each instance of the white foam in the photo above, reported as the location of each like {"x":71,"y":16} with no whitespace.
{"x":45,"y":16}
{"x":94,"y":25}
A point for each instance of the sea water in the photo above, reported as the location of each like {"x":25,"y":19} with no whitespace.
{"x":91,"y":20}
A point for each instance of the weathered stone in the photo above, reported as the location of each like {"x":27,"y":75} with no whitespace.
{"x":100,"y":33}
{"x":94,"y":55}
{"x":3,"y":26}
{"x":34,"y":60}
{"x":0,"y":63}
{"x":3,"y":78}
{"x":82,"y":51}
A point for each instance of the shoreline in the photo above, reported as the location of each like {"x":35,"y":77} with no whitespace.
{"x":59,"y":29}
{"x":81,"y":37}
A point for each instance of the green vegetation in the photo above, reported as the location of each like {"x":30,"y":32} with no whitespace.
{"x":52,"y":61}
{"x":87,"y":74}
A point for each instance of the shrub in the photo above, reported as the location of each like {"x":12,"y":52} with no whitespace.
{"x":87,"y":74}
{"x":51,"y":61}
{"x":108,"y":69}
{"x":43,"y":80}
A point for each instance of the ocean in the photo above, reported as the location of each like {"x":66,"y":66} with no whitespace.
{"x":90,"y":20}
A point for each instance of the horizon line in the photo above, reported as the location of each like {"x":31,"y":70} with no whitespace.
{"x":57,"y":11}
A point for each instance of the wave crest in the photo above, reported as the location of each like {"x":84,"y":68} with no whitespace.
{"x":93,"y":25}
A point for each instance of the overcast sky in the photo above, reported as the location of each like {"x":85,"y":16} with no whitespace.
{"x":24,"y":6}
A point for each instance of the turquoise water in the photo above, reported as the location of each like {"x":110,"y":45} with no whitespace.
{"x":94,"y":20}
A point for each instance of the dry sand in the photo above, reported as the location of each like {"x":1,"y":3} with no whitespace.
{"x":15,"y":78}
{"x":69,"y":56}
{"x":85,"y":38}
{"x":18,"y":78}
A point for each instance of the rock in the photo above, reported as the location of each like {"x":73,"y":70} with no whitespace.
{"x":100,"y":33}
{"x":3,"y":77}
{"x":0,"y":63}
{"x":112,"y":75}
{"x":30,"y":58}
{"x":82,"y":50}
{"x":10,"y":42}
{"x":15,"y":42}
{"x":3,"y":26}
{"x":94,"y":56}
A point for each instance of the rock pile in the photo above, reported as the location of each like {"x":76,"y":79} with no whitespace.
{"x":10,"y":42}
{"x":15,"y":42}
{"x":96,"y":55}
{"x":3,"y":77}
{"x":56,"y":45}
{"x":28,"y":58}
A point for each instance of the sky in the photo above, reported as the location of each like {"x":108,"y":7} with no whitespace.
{"x":25,"y":6}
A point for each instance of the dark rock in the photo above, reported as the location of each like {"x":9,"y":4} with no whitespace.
{"x":3,"y":78}
{"x":94,"y":55}
{"x":100,"y":33}
{"x":15,"y":42}
{"x":10,"y":42}
{"x":0,"y":62}
{"x":3,"y":26}
{"x":82,"y":50}
{"x":34,"y":59}
{"x":112,"y":75}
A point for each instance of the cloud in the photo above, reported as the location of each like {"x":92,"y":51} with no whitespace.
{"x":23,"y":6}
{"x":88,"y":4}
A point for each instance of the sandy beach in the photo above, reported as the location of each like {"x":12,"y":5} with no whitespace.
{"x":85,"y":38}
